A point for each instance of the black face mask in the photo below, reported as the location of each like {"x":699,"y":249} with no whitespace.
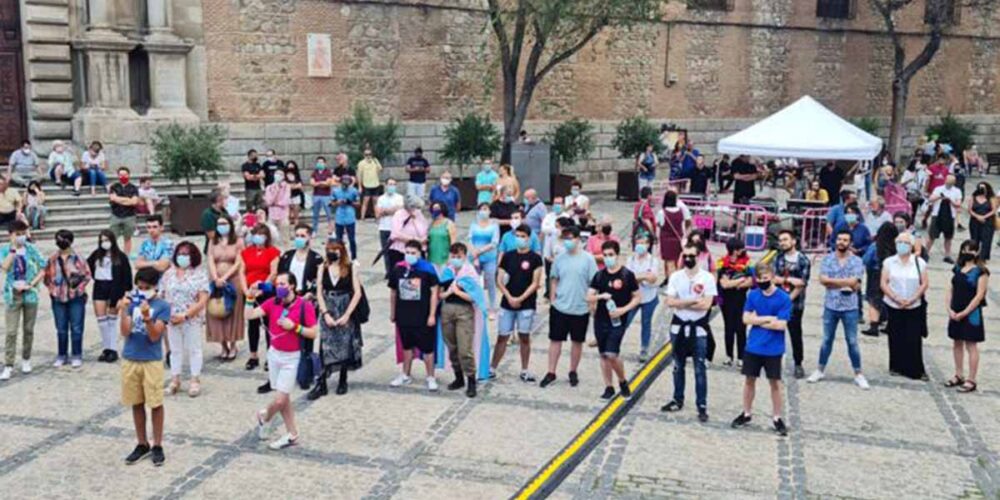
{"x":690,"y":261}
{"x":63,"y":244}
{"x":606,"y":230}
{"x":965,"y":258}
{"x":764,"y":285}
{"x":333,"y":256}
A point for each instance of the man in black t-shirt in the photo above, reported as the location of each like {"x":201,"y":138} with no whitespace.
{"x":831,"y":179}
{"x":700,"y":177}
{"x":745,"y":175}
{"x":252,"y":175}
{"x":519,"y":278}
{"x":414,"y":300}
{"x":418,"y":167}
{"x":458,"y":322}
{"x":342,"y":168}
{"x":614,"y":292}
{"x":502,"y":209}
{"x":124,"y":196}
{"x":271,"y":165}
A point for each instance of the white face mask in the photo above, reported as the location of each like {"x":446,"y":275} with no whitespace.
{"x":279,"y":177}
{"x":515,"y":223}
{"x":445,"y":181}
{"x":106,"y":245}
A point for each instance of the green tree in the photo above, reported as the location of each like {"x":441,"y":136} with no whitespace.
{"x":633,"y":135}
{"x":534,"y":36}
{"x":867,"y":123}
{"x":572,"y":140}
{"x":360,"y":130}
{"x":181,"y":153}
{"x":951,"y":130}
{"x":468,"y":139}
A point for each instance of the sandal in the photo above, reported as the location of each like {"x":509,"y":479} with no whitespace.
{"x":175,"y":385}
{"x":968,"y":386}
{"x":194,"y":389}
{"x":955,"y":381}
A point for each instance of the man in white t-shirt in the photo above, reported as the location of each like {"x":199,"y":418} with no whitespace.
{"x":690,"y":292}
{"x":946,"y":204}
{"x":385,"y":207}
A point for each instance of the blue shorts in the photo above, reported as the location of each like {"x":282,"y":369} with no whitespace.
{"x":521,"y":321}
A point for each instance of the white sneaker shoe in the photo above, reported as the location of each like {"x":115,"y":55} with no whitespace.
{"x":816,"y":377}
{"x":261,"y":425}
{"x":76,"y":363}
{"x":284,"y":442}
{"x":432,"y":384}
{"x":25,"y":367}
{"x":59,"y":362}
{"x":400,"y":380}
{"x":5,"y":374}
{"x":861,"y":382}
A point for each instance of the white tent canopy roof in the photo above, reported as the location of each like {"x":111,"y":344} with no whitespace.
{"x":805,"y":129}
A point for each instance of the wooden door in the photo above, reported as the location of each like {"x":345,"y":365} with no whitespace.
{"x":13,"y":120}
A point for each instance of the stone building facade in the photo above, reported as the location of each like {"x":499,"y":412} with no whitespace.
{"x":711,"y":66}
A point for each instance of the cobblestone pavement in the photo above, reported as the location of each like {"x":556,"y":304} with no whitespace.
{"x":63,"y":433}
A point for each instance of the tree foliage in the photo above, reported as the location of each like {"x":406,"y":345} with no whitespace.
{"x":633,"y":134}
{"x":869,"y":124}
{"x":468,"y":139}
{"x":181,"y":153}
{"x":572,"y":140}
{"x":360,"y":130}
{"x":951,"y":130}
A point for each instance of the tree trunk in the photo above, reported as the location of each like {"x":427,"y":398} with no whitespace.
{"x":900,"y":93}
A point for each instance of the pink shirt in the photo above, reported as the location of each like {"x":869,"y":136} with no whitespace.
{"x":594,"y":247}
{"x":405,"y":228}
{"x":287,"y":340}
{"x":278,"y":197}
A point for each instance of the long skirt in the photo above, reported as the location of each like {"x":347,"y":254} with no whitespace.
{"x":340,"y":345}
{"x":230,"y":328}
{"x":906,"y":327}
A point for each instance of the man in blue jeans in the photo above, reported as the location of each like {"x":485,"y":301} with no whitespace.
{"x":690,"y":292}
{"x":841,"y":273}
{"x":345,"y":199}
{"x":322,"y":182}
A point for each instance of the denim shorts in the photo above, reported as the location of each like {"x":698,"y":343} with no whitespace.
{"x":521,"y":321}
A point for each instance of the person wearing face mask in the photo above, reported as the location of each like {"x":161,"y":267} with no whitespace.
{"x":369,"y":173}
{"x":345,"y":198}
{"x":62,"y":164}
{"x":904,"y":283}
{"x":322,"y":182}
{"x":260,"y":267}
{"x":270,"y":166}
{"x":278,"y":199}
{"x":644,"y":215}
{"x":253,"y":174}
{"x":21,"y":265}
{"x":576,"y":199}
{"x":966,"y":325}
{"x":510,"y":242}
{"x":705,"y":261}
{"x":465,"y":337}
{"x":873,"y":258}
{"x":534,"y":211}
{"x":484,"y":239}
{"x":338,"y":293}
{"x":386,"y":207}
{"x":124,"y":197}
{"x":613,"y":295}
{"x":414,"y":292}
{"x":210,"y":216}
{"x":982,"y":218}
{"x":946,"y":205}
{"x":290,"y":319}
{"x":408,"y":224}
{"x":185,"y":288}
{"x":67,"y":277}
{"x":447,"y":194}
{"x":503,"y":208}
{"x":768,"y":310}
{"x":569,"y":315}
{"x":596,"y":242}
{"x":519,"y":279}
{"x":861,"y":238}
{"x":418,"y":167}
{"x":112,"y":280}
{"x":792,"y":270}
{"x":294,"y":179}
{"x":841,"y":272}
{"x":225,"y":269}
{"x":644,"y":267}
{"x":440,"y":235}
{"x":690,"y":292}
{"x":23,"y":165}
{"x":486,"y":182}
{"x":904,"y":224}
{"x":735,"y":278}
{"x":302,"y":262}
{"x":549,"y":234}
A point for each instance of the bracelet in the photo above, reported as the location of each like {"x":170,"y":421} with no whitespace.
{"x":251,"y":302}
{"x":298,"y":328}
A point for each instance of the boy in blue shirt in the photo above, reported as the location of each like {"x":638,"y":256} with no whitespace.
{"x":767,"y":311}
{"x":344,"y":199}
{"x":144,"y":319}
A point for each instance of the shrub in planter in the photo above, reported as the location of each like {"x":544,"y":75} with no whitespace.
{"x":571,"y":141}
{"x":468,"y":139}
{"x":951,"y":130}
{"x":360,"y":130}
{"x":631,"y":138}
{"x":181,"y":153}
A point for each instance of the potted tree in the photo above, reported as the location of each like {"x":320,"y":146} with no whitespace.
{"x":359,"y":130}
{"x":181,"y":153}
{"x":631,"y":137}
{"x":468,"y":139}
{"x":571,"y":142}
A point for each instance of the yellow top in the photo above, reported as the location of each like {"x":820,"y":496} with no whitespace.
{"x":9,"y":200}
{"x":820,"y":195}
{"x":368,"y":172}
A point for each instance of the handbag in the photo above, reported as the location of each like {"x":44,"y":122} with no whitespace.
{"x":216,"y":306}
{"x":310,"y":364}
{"x":363,"y":311}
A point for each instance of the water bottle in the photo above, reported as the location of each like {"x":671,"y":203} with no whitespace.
{"x":615,"y":322}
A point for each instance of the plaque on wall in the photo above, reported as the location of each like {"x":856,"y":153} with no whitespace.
{"x":318,"y":52}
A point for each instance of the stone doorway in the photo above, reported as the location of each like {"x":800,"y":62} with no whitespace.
{"x":12,"y":103}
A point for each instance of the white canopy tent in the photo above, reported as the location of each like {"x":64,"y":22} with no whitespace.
{"x":805,"y":129}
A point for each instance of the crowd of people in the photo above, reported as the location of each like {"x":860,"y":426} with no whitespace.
{"x":266,"y":266}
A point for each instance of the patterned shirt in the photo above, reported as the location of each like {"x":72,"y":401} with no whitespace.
{"x":182,"y":293}
{"x":24,"y":268}
{"x":156,"y":250}
{"x":800,"y":268}
{"x":832,"y":268}
{"x":58,"y":282}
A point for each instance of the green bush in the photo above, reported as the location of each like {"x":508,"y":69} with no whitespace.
{"x":951,"y":130}
{"x":867,"y":123}
{"x":633,"y":134}
{"x":572,"y":141}
{"x":181,"y":153}
{"x":359,"y":130}
{"x":468,"y":139}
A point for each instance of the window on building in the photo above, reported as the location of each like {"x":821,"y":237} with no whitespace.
{"x":138,"y":79}
{"x":948,"y":9}
{"x":710,"y":4}
{"x":835,"y":9}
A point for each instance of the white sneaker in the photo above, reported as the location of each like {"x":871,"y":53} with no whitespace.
{"x":432,"y":384}
{"x":5,"y":374}
{"x":816,"y":377}
{"x":25,"y":366}
{"x":76,"y":363}
{"x":284,"y":442}
{"x":861,"y":382}
{"x":59,"y":362}
{"x":400,"y":380}
{"x":261,"y":425}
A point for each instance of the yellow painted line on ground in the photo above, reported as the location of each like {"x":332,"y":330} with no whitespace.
{"x":588,"y":433}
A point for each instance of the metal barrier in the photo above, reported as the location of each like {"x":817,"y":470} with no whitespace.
{"x":679,"y":185}
{"x":812,"y":236}
{"x":721,"y":221}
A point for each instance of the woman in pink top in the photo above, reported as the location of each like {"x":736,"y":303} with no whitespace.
{"x":278,"y":198}
{"x":407,"y":224}
{"x":595,"y":242}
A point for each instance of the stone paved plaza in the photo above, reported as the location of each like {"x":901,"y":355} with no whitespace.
{"x":63,"y":433}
